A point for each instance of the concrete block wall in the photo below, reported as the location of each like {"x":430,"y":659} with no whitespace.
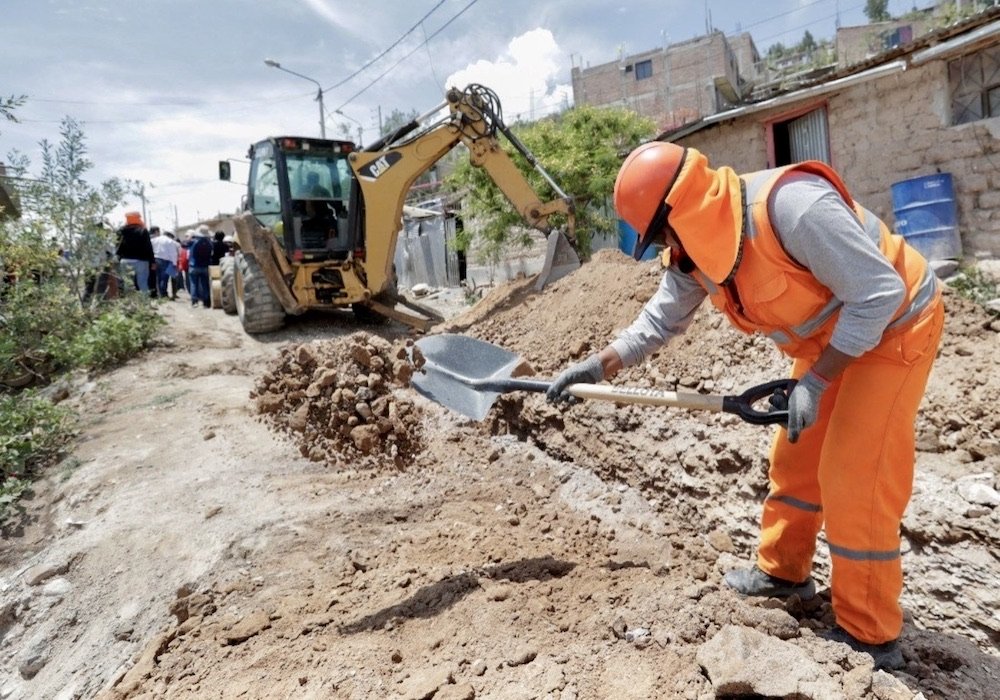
{"x":681,"y":88}
{"x":884,"y":131}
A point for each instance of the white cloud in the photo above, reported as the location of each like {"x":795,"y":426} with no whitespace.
{"x":524,"y":77}
{"x":348,"y":19}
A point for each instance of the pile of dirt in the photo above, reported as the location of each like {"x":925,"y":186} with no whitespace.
{"x":337,"y":399}
{"x":581,"y":313}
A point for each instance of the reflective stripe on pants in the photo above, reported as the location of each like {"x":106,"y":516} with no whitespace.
{"x":853,"y":469}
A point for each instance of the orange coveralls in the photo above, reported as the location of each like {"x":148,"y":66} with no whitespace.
{"x":853,"y":469}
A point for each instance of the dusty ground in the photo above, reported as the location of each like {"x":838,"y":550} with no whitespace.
{"x":218,"y":532}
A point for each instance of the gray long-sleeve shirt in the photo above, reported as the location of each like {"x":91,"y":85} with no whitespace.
{"x":821,"y":233}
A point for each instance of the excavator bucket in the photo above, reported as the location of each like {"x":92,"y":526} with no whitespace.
{"x":560,"y":260}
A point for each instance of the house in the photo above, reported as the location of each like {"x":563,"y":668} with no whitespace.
{"x":915,"y":108}
{"x":676,"y":84}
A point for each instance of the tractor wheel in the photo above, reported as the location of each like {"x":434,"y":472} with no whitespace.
{"x":228,"y":270}
{"x":258,"y":308}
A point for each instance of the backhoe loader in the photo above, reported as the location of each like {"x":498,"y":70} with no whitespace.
{"x":321,"y":218}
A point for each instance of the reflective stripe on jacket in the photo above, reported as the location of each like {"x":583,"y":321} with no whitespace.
{"x":772,"y":294}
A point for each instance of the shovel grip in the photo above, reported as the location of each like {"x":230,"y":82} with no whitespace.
{"x":743,"y":405}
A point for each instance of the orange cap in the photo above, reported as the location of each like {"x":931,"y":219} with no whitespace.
{"x":133,"y":217}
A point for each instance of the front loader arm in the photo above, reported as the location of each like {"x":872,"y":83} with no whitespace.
{"x":387,"y":169}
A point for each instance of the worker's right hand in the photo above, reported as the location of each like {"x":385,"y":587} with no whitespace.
{"x":589,"y":371}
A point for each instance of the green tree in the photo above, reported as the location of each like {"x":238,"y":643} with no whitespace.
{"x":582,"y":149}
{"x":877,"y":10}
{"x":808,"y":43}
{"x":62,"y":205}
{"x":776,"y":51}
{"x":9,"y":104}
{"x":396,"y":119}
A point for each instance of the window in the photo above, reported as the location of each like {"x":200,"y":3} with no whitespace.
{"x":975,"y":86}
{"x":264,"y":188}
{"x":643,"y":70}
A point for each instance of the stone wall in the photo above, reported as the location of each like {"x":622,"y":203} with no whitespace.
{"x":884,"y":131}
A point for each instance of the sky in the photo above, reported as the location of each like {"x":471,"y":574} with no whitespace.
{"x":164,"y":89}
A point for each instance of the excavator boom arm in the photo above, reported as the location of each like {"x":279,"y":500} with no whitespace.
{"x":386,"y":170}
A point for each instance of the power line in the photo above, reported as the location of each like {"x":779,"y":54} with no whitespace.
{"x":782,"y":14}
{"x":807,"y":24}
{"x":413,"y":51}
{"x":391,"y":47}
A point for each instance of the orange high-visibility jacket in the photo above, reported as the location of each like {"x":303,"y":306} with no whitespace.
{"x":771,"y":293}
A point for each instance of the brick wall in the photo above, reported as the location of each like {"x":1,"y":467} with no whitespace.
{"x":682,"y":86}
{"x":883,"y":131}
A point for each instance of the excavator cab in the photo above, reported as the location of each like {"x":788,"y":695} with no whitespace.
{"x":300,"y":189}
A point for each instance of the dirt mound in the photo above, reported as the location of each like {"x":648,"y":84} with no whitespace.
{"x":336,"y":399}
{"x":580,"y":313}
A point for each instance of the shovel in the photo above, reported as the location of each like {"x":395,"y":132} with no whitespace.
{"x":467,"y":375}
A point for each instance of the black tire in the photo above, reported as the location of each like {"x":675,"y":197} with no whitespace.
{"x":228,"y":270}
{"x":258,"y":308}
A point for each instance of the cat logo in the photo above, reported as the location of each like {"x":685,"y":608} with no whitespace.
{"x":378,"y":167}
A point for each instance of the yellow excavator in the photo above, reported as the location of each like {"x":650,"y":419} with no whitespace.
{"x":321,"y":218}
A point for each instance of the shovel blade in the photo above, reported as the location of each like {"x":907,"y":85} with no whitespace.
{"x":457,"y":369}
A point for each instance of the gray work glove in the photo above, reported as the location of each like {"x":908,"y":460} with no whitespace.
{"x":589,"y":371}
{"x":803,"y":403}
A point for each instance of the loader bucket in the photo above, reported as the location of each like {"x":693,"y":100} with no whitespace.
{"x":560,"y":260}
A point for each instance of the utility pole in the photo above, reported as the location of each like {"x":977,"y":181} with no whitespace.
{"x":319,"y":92}
{"x":141,"y":191}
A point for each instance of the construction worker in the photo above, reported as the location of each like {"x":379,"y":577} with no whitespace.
{"x":788,"y":253}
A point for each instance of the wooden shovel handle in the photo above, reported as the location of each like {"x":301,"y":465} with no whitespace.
{"x":741,"y":405}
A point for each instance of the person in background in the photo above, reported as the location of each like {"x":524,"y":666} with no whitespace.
{"x":199,"y":260}
{"x":134,"y":250}
{"x":183,"y":258}
{"x":165,"y":250}
{"x":177,"y":277}
{"x":788,"y":253}
{"x":219,"y":247}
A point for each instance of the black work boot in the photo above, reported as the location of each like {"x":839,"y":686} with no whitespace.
{"x":887,"y":656}
{"x":755,"y":582}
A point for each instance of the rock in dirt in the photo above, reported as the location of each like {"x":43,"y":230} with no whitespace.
{"x":426,"y":683}
{"x":249,"y":626}
{"x":741,"y":661}
{"x":336,"y":399}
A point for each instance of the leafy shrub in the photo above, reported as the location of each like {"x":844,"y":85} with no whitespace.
{"x":32,"y":431}
{"x":972,"y":284}
{"x":37,"y":323}
{"x":116,"y":335}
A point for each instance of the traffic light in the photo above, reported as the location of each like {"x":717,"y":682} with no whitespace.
{"x":224,"y":171}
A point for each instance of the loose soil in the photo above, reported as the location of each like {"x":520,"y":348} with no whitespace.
{"x":283,"y":517}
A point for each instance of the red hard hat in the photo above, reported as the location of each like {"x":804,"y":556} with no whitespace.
{"x":133,"y":218}
{"x":641,"y":188}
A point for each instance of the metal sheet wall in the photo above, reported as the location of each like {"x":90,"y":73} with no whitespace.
{"x":423,"y":254}
{"x":808,"y":137}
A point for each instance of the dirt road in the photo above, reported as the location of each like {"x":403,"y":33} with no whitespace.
{"x":193,"y":547}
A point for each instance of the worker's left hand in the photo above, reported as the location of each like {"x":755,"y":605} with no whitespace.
{"x":803,"y":403}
